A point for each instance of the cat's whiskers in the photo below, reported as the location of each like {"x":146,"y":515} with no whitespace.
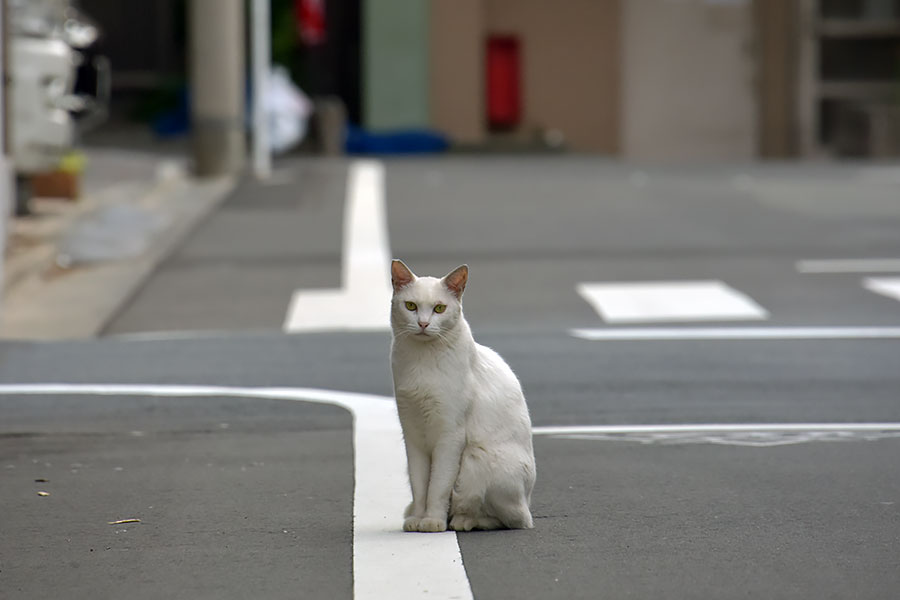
{"x":441,"y":335}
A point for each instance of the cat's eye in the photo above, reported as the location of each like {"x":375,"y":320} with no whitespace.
{"x":411,"y":306}
{"x":439,"y":308}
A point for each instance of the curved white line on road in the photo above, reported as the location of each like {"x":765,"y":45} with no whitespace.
{"x":387,"y":563}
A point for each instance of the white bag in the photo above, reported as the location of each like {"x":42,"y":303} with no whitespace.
{"x":287,"y":111}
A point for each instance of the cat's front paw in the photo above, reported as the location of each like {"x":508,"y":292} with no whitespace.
{"x":424,"y":524}
{"x":432,"y":525}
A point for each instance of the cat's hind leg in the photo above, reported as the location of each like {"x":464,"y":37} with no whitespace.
{"x":514,"y":516}
{"x":510,"y":512}
{"x":464,"y":507}
{"x":467,"y":499}
{"x":508,"y":496}
{"x":467,"y":502}
{"x":468,"y":523}
{"x":469,"y":512}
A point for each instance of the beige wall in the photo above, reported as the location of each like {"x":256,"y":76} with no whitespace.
{"x":688,"y":80}
{"x":643,"y":79}
{"x":778,"y":36}
{"x":570,"y":67}
{"x":456,"y":69}
{"x":571,"y":61}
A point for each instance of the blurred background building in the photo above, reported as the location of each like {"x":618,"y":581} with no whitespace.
{"x":632,"y":79}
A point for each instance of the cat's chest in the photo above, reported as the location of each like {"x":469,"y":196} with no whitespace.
{"x":422,"y":381}
{"x":428,"y":378}
{"x":428,"y":404}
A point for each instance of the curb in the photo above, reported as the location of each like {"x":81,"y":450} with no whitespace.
{"x":47,"y":302}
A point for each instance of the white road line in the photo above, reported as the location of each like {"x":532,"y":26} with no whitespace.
{"x":668,"y":301}
{"x":180,"y":335}
{"x":387,"y":563}
{"x":737,"y":333}
{"x":850,"y":265}
{"x":363,"y":301}
{"x":714,"y":427}
{"x":886,"y":286}
{"x":758,"y":435}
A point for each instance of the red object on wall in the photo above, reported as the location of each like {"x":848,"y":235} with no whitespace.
{"x":502,"y":68}
{"x":310,"y":15}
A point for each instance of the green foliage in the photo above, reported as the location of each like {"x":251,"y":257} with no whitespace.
{"x":284,"y":35}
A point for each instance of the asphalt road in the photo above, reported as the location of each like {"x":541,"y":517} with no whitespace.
{"x":241,"y":496}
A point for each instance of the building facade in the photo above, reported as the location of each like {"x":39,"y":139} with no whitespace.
{"x":646,"y":79}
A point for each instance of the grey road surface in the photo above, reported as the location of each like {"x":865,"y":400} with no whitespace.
{"x":255,"y":496}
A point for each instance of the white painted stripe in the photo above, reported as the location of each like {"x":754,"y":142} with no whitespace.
{"x":363,"y":301}
{"x":713,"y":428}
{"x":850,"y":265}
{"x":886,"y":286}
{"x":759,"y":435}
{"x":737,"y":333}
{"x":661,"y":301}
{"x":180,"y":335}
{"x":387,"y":563}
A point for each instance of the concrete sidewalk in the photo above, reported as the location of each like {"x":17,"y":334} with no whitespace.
{"x":71,"y":266}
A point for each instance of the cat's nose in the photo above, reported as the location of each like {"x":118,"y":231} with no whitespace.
{"x":423,"y":324}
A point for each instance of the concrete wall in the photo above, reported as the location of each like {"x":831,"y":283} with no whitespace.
{"x":688,"y":77}
{"x":395,"y":63}
{"x":571,"y":65}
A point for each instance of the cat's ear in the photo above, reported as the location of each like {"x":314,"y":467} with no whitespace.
{"x":456,"y":280}
{"x":401,"y":276}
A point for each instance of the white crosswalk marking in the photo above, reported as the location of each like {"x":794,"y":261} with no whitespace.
{"x":886,"y":286}
{"x":670,"y":301}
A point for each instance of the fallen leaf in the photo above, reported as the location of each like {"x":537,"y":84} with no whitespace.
{"x":43,"y":494}
{"x":123,"y":521}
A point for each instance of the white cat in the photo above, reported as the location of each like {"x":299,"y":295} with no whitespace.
{"x":463,"y":414}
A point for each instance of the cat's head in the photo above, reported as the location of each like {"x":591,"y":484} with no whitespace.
{"x":426,"y":308}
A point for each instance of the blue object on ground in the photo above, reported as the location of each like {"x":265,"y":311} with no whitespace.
{"x":403,"y":141}
{"x":175,"y":121}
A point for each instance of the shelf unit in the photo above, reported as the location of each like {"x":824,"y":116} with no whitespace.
{"x":849,"y":77}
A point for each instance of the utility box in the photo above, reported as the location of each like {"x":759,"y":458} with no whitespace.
{"x":503,"y":84}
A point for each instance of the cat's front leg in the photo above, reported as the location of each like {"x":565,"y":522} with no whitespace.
{"x":419,"y":465}
{"x":444,"y":470}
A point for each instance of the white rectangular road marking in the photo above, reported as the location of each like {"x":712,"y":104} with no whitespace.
{"x":886,"y":286}
{"x":736,"y":333}
{"x":668,"y":301}
{"x":850,"y":265}
{"x":363,"y":301}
